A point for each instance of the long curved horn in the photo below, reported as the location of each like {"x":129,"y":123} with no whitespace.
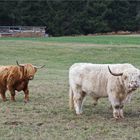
{"x":114,"y":74}
{"x":39,"y":67}
{"x":19,"y":64}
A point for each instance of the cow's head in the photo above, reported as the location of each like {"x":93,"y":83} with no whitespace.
{"x":130,"y":77}
{"x":29,"y":70}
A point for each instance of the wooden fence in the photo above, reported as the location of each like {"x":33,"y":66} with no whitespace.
{"x":22,"y":31}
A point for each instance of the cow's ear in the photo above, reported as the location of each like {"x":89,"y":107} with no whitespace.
{"x":21,"y":67}
{"x":35,"y":69}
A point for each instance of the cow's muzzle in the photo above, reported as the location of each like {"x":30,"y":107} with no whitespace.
{"x":31,"y":77}
{"x":133,"y":86}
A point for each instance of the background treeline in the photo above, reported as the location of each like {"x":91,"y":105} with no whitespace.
{"x":65,"y":17}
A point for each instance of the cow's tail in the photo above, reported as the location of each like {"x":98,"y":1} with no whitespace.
{"x":71,"y":102}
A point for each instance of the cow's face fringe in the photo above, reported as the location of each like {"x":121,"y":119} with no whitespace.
{"x":29,"y":71}
{"x":131,"y":79}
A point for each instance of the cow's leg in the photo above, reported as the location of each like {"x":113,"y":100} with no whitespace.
{"x":12,"y":95}
{"x":78,"y":104}
{"x":3,"y":97}
{"x":71,"y":103}
{"x":2,"y":92}
{"x":95,"y":100}
{"x":117,"y":113}
{"x":83,"y":94}
{"x":26,"y":92}
{"x":78,"y":101}
{"x":121,"y":111}
{"x":12,"y":91}
{"x":128,"y":98}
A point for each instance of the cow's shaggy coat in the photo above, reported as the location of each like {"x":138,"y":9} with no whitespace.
{"x":16,"y":78}
{"x":97,"y":80}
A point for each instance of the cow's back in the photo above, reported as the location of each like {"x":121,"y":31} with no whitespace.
{"x":6,"y":72}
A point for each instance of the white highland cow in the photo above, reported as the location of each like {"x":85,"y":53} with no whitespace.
{"x":115,"y":81}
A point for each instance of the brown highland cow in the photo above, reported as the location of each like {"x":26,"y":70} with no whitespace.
{"x":16,"y":78}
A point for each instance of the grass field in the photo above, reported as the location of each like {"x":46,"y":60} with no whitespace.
{"x":47,"y":115}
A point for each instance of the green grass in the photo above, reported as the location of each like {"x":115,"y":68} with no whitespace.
{"x":47,"y":116}
{"x":108,"y":39}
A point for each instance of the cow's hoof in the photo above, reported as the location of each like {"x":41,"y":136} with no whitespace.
{"x":121,"y":117}
{"x":117,"y":118}
{"x":4,"y":100}
{"x":79,"y":114}
{"x":94,"y":104}
{"x":13,"y":100}
{"x":26,"y":101}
